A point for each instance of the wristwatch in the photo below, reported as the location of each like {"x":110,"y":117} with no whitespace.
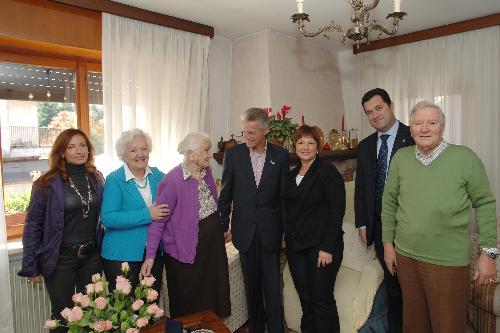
{"x":490,"y":252}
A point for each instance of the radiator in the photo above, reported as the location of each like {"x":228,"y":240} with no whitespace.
{"x":30,"y":302}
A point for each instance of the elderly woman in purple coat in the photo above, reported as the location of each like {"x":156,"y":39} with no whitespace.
{"x":192,"y":236}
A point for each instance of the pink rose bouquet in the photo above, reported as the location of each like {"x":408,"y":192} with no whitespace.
{"x":122,"y":310}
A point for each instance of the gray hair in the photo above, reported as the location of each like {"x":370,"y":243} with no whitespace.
{"x":193,"y":141}
{"x":256,"y":114}
{"x":425,"y":104}
{"x":127,"y":137}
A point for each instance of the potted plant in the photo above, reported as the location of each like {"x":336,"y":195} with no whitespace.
{"x":281,"y":128}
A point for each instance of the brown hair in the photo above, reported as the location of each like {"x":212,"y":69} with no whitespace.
{"x":307,"y":131}
{"x":56,"y":158}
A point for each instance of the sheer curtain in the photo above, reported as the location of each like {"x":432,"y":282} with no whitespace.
{"x":6,"y":307}
{"x":154,"y":78}
{"x":460,"y":73}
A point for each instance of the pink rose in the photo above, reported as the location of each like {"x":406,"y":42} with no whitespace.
{"x":123,"y":285}
{"x":152,"y":295}
{"x":96,"y":277}
{"x":98,"y":287}
{"x":84,"y":301}
{"x":148,"y":281}
{"x":90,"y":288}
{"x":132,"y":330}
{"x":50,"y":324}
{"x":77,"y":298}
{"x":100,"y":303}
{"x":159,"y":313}
{"x":152,"y":308}
{"x":125,"y":267}
{"x":72,"y":315}
{"x":102,"y":325}
{"x":141,"y":322}
{"x":137,"y":304}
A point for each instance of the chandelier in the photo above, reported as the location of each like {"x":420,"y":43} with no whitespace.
{"x":362,"y":28}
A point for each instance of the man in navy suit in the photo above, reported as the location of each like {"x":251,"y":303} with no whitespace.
{"x":254,"y":181}
{"x":374,"y":155}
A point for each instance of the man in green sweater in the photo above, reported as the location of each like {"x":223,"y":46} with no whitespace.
{"x":426,"y":210}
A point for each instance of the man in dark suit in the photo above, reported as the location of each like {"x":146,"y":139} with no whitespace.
{"x":254,"y":182}
{"x":374,"y":155}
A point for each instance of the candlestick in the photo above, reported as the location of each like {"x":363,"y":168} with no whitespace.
{"x":302,"y":120}
{"x":397,"y":6}
{"x":300,"y":6}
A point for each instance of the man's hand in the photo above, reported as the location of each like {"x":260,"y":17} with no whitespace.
{"x":362,"y":235}
{"x":486,"y":270}
{"x":146,"y":268}
{"x":324,"y":258}
{"x":390,"y":258}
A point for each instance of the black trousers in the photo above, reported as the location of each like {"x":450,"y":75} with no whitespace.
{"x":394,"y":294}
{"x":71,"y":275}
{"x":113,"y":268}
{"x":315,"y":288}
{"x":261,"y":274}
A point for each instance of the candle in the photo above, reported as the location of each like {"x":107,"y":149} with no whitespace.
{"x":300,"y":6}
{"x":343,"y":121}
{"x":397,"y":6}
{"x":302,"y":121}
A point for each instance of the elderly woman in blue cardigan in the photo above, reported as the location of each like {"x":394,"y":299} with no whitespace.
{"x":129,"y":207}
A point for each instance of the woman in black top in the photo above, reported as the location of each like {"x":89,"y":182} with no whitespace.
{"x":62,"y":227}
{"x":315,"y":206}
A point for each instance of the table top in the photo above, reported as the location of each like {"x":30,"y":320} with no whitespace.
{"x":205,"y":319}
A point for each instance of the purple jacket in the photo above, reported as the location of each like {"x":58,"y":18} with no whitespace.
{"x":179,"y":231}
{"x":44,"y":225}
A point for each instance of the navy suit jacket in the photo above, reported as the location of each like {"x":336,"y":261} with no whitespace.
{"x":364,"y":195}
{"x":254,"y":209}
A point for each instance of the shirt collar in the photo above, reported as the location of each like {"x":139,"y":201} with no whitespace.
{"x":187,"y":174}
{"x":426,"y":160}
{"x":129,"y":175}
{"x":392,"y":131}
{"x":255,"y":153}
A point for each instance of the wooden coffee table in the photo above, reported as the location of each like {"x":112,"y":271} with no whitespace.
{"x":205,"y":319}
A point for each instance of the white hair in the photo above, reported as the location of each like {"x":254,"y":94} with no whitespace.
{"x":425,"y":104}
{"x":193,"y":141}
{"x":127,"y":137}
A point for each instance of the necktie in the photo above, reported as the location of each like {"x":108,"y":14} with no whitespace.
{"x":381,"y":170}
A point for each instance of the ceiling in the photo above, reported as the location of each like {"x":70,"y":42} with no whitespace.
{"x":236,"y":18}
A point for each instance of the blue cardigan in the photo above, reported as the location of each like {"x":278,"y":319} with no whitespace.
{"x":125,"y":216}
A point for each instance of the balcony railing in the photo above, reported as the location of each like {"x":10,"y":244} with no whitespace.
{"x":23,"y":136}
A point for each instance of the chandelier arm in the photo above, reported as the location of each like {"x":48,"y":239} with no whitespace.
{"x":381,"y":28}
{"x":373,"y":5}
{"x":330,"y":27}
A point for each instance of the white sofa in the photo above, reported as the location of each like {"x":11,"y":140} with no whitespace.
{"x":358,"y":280}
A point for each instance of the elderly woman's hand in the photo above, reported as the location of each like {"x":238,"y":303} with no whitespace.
{"x":486,"y":270}
{"x":159,"y":211}
{"x":146,"y":268}
{"x":390,"y":258}
{"x":324,"y":258}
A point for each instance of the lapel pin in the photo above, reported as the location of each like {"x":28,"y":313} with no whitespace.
{"x":272,"y":162}
{"x":404,"y":140}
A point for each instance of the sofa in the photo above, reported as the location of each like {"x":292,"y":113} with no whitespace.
{"x":358,"y":284}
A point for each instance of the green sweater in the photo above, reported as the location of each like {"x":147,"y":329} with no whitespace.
{"x":426,"y":210}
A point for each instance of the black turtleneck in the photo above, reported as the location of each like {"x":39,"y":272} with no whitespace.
{"x":78,"y":230}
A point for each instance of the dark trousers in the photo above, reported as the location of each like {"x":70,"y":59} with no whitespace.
{"x":71,"y":275}
{"x":113,"y":268}
{"x":394,"y":294}
{"x":261,"y":273}
{"x":315,"y":288}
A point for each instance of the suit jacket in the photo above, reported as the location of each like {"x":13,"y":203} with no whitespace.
{"x":315,"y":209}
{"x":254,"y":209}
{"x":44,"y":226}
{"x":364,"y":195}
{"x":125,"y":216}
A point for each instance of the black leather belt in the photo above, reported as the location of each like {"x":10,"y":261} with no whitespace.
{"x":80,"y":250}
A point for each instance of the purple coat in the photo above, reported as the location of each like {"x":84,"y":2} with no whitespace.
{"x":44,"y":225}
{"x":179,"y":231}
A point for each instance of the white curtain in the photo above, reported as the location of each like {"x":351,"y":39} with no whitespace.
{"x":460,"y":73}
{"x":154,"y":78}
{"x":5,"y":296}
